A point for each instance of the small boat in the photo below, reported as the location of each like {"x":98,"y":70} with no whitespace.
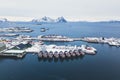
{"x":45,"y":54}
{"x":76,"y":52}
{"x":81,"y":52}
{"x":72,"y":53}
{"x":50,"y":54}
{"x":40,"y":54}
{"x":67,"y":54}
{"x":42,"y":29}
{"x":62,"y":55}
{"x":87,"y":49}
{"x":114,"y":43}
{"x":56,"y":55}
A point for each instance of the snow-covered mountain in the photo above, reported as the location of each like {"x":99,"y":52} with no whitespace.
{"x":44,"y":19}
{"x":61,"y":19}
{"x":47,"y":19}
{"x":3,"y":20}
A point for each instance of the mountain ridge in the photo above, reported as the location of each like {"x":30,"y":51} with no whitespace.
{"x":50,"y":20}
{"x":3,"y":20}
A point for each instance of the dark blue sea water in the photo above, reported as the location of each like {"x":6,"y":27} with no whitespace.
{"x":105,"y":65}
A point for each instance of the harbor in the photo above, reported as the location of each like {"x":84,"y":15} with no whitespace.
{"x":19,"y":47}
{"x":64,"y":60}
{"x":58,"y":38}
{"x":22,"y":44}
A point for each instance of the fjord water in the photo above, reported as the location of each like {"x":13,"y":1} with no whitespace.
{"x":105,"y":65}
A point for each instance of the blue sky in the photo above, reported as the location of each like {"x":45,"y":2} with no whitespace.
{"x":70,"y":9}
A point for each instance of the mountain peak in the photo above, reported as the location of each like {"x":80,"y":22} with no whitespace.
{"x":48,"y":19}
{"x":61,"y":19}
{"x":43,"y":19}
{"x":3,"y":20}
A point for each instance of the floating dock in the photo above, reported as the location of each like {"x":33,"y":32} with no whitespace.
{"x":13,"y":53}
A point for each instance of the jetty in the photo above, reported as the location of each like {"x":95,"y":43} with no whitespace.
{"x":15,"y":29}
{"x":57,"y":38}
{"x":110,"y":41}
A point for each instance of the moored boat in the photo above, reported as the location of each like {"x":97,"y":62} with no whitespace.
{"x":88,"y":50}
{"x":81,"y":52}
{"x":62,"y":55}
{"x":45,"y":54}
{"x":72,"y":53}
{"x":40,"y":54}
{"x":50,"y":54}
{"x":76,"y":52}
{"x":67,"y":54}
{"x":56,"y":55}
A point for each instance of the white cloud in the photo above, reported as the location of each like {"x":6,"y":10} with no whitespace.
{"x":78,"y":9}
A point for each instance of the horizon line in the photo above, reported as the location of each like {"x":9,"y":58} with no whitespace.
{"x":69,"y":19}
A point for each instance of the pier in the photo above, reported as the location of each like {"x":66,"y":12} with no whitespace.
{"x":15,"y":30}
{"x":55,"y":38}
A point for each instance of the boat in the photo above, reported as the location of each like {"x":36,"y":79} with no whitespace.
{"x":50,"y":54}
{"x":40,"y":54}
{"x":88,"y":50}
{"x":56,"y":55}
{"x":67,"y":54}
{"x":114,"y":43}
{"x":76,"y":52}
{"x":62,"y":55}
{"x":72,"y":53}
{"x":81,"y":52}
{"x":45,"y":54}
{"x":42,"y":29}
